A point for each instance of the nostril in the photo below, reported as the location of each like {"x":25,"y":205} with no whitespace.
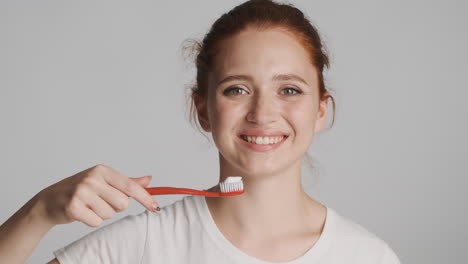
{"x":261,"y":117}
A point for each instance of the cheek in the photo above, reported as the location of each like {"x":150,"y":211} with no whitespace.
{"x":225,"y":114}
{"x":301,"y":118}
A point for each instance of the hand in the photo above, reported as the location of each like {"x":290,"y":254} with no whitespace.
{"x":93,"y":195}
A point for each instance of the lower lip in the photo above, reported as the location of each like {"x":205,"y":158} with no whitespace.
{"x":261,"y":147}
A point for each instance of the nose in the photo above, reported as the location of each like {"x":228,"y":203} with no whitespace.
{"x":262,"y":110}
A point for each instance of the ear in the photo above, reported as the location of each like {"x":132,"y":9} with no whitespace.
{"x":321,"y":115}
{"x":202,"y":112}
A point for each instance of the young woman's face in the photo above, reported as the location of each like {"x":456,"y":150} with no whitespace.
{"x":264,"y":89}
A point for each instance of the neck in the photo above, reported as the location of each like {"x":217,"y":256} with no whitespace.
{"x":271,"y":206}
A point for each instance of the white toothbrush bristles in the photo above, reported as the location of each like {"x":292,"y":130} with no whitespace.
{"x":232,"y":184}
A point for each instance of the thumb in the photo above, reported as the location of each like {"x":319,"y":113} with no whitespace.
{"x":143,"y":181}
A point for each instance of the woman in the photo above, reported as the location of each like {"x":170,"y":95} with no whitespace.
{"x":260,"y":93}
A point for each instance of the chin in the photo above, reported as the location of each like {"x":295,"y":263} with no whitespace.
{"x":256,"y":170}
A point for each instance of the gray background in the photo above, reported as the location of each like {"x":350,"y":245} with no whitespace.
{"x":88,"y":82}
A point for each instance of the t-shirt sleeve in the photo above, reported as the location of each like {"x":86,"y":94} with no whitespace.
{"x":122,"y":241}
{"x":389,"y":256}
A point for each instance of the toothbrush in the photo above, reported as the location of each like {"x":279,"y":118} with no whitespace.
{"x":229,"y":187}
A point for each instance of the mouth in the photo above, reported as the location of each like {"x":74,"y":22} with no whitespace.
{"x":258,"y":140}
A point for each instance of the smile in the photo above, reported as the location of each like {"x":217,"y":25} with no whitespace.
{"x":262,"y":140}
{"x":262,"y":144}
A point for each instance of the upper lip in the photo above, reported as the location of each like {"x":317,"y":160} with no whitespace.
{"x":262,"y":133}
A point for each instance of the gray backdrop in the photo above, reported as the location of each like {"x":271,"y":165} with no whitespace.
{"x":88,"y":82}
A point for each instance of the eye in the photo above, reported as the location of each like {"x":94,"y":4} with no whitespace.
{"x":291,"y":91}
{"x":234,"y":90}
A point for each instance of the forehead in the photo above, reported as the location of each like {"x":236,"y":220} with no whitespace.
{"x":263,"y":53}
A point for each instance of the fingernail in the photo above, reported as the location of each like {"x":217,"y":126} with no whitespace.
{"x":155,"y":207}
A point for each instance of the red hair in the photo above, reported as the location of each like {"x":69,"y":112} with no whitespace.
{"x":261,"y":14}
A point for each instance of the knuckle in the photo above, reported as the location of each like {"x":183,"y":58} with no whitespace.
{"x":107,"y":215}
{"x":80,"y":189}
{"x":131,"y":187}
{"x":99,"y":168}
{"x":90,"y":181}
{"x":94,"y":223}
{"x":122,"y":204}
{"x":71,"y":208}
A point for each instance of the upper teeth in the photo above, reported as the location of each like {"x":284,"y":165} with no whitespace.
{"x":263,"y":140}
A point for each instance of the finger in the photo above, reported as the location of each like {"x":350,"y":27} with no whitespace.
{"x":99,"y":206}
{"x":115,"y":198}
{"x":143,"y":181}
{"x":86,"y":215}
{"x":132,"y":189}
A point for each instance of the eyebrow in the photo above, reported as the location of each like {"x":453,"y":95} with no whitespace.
{"x":277,"y":77}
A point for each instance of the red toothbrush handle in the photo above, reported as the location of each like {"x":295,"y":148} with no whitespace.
{"x":173,"y":190}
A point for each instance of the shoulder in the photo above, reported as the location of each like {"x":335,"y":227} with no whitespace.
{"x":140,"y":233}
{"x":349,"y":230}
{"x":177,"y":229}
{"x":181,"y":216}
{"x":108,"y":243}
{"x":361,"y":242}
{"x":181,"y":211}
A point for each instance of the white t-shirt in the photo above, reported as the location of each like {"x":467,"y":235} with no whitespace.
{"x":185,"y":232}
